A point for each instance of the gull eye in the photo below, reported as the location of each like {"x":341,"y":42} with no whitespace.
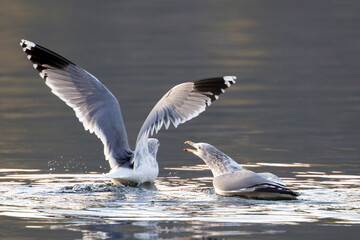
{"x":199,"y":147}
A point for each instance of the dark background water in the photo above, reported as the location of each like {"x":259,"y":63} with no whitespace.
{"x":297,"y":97}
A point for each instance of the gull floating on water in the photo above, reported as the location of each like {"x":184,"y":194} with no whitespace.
{"x":230,"y":179}
{"x":99,"y":111}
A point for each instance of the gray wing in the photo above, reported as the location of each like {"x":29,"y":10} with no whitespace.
{"x":272,"y":177}
{"x":93,"y":103}
{"x":182,"y":103}
{"x":239,"y":180}
{"x":248,"y":181}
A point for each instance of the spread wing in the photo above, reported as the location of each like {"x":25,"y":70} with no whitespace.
{"x":182,"y":103}
{"x":94,"y":105}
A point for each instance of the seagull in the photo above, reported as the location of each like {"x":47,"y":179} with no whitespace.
{"x":230,"y":179}
{"x":99,"y":111}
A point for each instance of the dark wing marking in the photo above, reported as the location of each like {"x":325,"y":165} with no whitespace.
{"x":180,"y":104}
{"x":94,"y":105}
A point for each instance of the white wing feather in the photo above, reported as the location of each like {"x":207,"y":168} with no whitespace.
{"x":94,"y":105}
{"x":180,"y":104}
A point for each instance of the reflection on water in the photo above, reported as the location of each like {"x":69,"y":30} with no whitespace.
{"x":294,"y":111}
{"x":90,"y":204}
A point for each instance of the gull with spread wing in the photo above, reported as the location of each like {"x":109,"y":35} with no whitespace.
{"x":99,"y":111}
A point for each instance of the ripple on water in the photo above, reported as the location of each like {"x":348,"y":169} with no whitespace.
{"x":59,"y":196}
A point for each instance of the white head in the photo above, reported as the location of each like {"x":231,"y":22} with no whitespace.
{"x":219,"y":162}
{"x":153,"y":146}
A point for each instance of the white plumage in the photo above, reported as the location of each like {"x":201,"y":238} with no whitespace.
{"x":99,"y":111}
{"x":230,"y":179}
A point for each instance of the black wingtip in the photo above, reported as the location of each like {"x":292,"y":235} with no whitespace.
{"x":43,"y":58}
{"x":276,"y":189}
{"x":213,"y":87}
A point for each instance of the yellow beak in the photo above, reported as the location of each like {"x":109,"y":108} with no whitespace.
{"x":191,"y":144}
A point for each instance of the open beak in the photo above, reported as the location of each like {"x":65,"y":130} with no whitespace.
{"x":191,"y":144}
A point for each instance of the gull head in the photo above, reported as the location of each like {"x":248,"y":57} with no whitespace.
{"x":202,"y":150}
{"x":218,"y":162}
{"x":153,"y":146}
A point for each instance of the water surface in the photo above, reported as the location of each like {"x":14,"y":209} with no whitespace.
{"x":293,"y":112}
